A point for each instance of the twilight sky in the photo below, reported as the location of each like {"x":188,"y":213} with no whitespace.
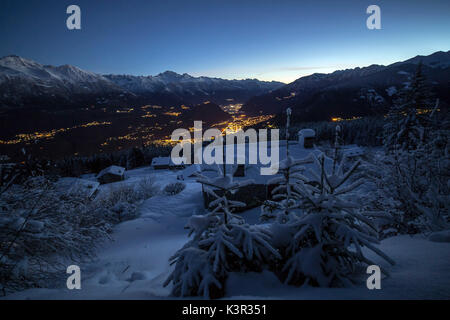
{"x":234,"y":39}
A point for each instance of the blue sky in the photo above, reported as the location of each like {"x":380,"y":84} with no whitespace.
{"x":269,"y":40}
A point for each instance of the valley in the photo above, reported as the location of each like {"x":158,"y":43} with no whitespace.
{"x":56,"y":112}
{"x":54,"y":135}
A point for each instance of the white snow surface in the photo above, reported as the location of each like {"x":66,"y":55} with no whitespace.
{"x":84,"y":187}
{"x":116,"y":170}
{"x":441,"y":236}
{"x":135,"y":264}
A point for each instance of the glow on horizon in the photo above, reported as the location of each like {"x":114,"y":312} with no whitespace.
{"x":290,"y":74}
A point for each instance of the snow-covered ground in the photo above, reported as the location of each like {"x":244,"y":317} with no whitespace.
{"x":135,"y":264}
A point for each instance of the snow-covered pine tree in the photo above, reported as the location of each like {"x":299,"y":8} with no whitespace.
{"x":285,"y":198}
{"x":337,"y":143}
{"x":417,"y":149}
{"x":404,"y":129}
{"x":379,"y":201}
{"x":404,"y":136}
{"x":222,"y":242}
{"x":326,"y":248}
{"x":429,"y":187}
{"x":134,"y":158}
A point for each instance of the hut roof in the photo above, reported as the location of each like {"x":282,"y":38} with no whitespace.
{"x":115,"y":170}
{"x":253,"y":171}
{"x":307,"y":133}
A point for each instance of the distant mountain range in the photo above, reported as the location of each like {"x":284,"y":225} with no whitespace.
{"x":62,"y":111}
{"x":343,"y":93}
{"x":25,"y":83}
{"x":353,"y":92}
{"x":193,"y":90}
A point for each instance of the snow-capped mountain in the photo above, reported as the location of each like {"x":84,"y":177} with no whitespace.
{"x":343,"y":93}
{"x":438,"y":59}
{"x":27,"y":83}
{"x":353,"y":92}
{"x":191,"y":89}
{"x":185,"y":83}
{"x":66,"y":76}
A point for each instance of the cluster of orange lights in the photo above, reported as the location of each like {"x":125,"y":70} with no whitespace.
{"x":172,"y":114}
{"x":27,"y":137}
{"x":339,"y":119}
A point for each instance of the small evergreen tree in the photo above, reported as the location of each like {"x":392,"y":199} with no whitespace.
{"x":416,"y":142}
{"x":428,"y":185}
{"x":135,"y":158}
{"x":319,"y":232}
{"x":404,"y":129}
{"x":222,"y":243}
{"x":328,"y":237}
{"x":285,"y":198}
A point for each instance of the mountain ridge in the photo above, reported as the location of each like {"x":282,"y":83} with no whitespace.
{"x":343,"y":93}
{"x":24,"y":82}
{"x":352,"y":92}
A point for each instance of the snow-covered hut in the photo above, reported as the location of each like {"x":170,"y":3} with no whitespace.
{"x":306,"y":138}
{"x":111,"y":174}
{"x":260,"y":190}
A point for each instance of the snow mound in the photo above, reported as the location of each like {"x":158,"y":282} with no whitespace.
{"x":441,"y":236}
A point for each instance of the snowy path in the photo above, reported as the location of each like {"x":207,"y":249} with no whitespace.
{"x":135,"y":264}
{"x":422,"y":271}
